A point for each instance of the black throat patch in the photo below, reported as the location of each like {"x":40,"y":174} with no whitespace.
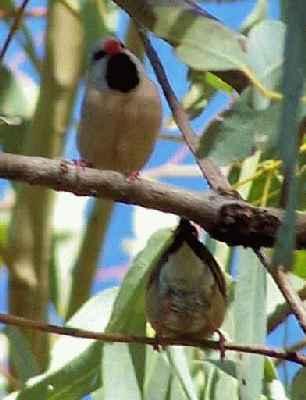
{"x":121,"y":73}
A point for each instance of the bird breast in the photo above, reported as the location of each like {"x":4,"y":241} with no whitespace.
{"x":118,"y":130}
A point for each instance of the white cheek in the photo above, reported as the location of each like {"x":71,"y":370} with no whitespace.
{"x":96,"y":74}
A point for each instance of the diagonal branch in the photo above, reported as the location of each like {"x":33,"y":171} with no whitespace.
{"x":210,"y":171}
{"x":282,"y":311}
{"x":122,"y":338}
{"x":14,"y":28}
{"x":281,"y":279}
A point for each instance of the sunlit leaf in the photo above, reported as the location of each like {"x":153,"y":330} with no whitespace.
{"x":293,"y":82}
{"x":74,"y":367}
{"x":22,"y":357}
{"x":218,"y":381}
{"x":258,"y":13}
{"x":221,"y":49}
{"x":298,"y":385}
{"x":250,"y":317}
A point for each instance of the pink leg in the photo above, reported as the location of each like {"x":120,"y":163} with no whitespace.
{"x":133,"y":176}
{"x":82,"y":164}
{"x":221,"y":344}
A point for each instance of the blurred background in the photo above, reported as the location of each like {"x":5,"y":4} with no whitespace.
{"x":50,"y":52}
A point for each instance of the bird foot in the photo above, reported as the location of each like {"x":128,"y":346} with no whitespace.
{"x":133,"y":176}
{"x":158,"y":345}
{"x":82,"y":163}
{"x":222,"y":341}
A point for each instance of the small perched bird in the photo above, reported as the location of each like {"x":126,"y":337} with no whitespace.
{"x":121,"y":111}
{"x":186,"y":291}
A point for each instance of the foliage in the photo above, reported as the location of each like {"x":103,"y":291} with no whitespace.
{"x":49,"y":251}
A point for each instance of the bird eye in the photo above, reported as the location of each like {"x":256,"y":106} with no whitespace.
{"x":97,"y":55}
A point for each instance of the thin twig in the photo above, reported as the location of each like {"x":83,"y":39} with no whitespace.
{"x":122,"y":338}
{"x":14,"y":28}
{"x":282,"y":311}
{"x":35,"y":12}
{"x":210,"y":171}
{"x":298,"y":346}
{"x":282,"y":281}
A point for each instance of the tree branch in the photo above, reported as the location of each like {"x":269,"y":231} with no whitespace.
{"x":281,"y":279}
{"x":282,"y":311}
{"x":210,"y":171}
{"x":122,"y":338}
{"x":35,"y":12}
{"x":232,"y":221}
{"x":14,"y":28}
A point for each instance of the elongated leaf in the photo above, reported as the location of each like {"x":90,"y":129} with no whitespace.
{"x":200,"y":40}
{"x":178,"y":361}
{"x":118,"y":373}
{"x":242,"y":131}
{"x":128,"y":315}
{"x":298,"y":385}
{"x":251,"y":124}
{"x":74,"y":367}
{"x":299,"y":264}
{"x":18,"y":94}
{"x":265,"y":51}
{"x":250,"y":306}
{"x":186,"y":30}
{"x":17,"y":104}
{"x":219,"y":382}
{"x":258,"y":13}
{"x":158,"y":376}
{"x":130,"y":293}
{"x":22,"y":357}
{"x":293,"y":80}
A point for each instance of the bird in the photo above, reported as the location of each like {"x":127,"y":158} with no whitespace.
{"x":121,"y":110}
{"x":186,"y":291}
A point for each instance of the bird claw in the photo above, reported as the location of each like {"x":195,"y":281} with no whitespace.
{"x":158,"y":345}
{"x":82,"y":164}
{"x":133,"y":176}
{"x":222,"y":341}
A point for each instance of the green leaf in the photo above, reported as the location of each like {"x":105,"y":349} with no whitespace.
{"x":10,"y":120}
{"x":240,"y":133}
{"x":265,"y":51}
{"x":250,"y":317}
{"x":18,"y":94}
{"x":118,"y":373}
{"x":203,"y":85}
{"x":293,"y":81}
{"x":185,"y":30}
{"x":17,"y":104}
{"x":299,"y":264}
{"x":178,"y":361}
{"x":298,"y":385}
{"x":7,"y":5}
{"x":251,"y":124}
{"x":258,"y":13}
{"x":175,"y":391}
{"x":132,"y":289}
{"x":270,"y":371}
{"x":158,"y":375}
{"x":128,"y":314}
{"x":75,"y":363}
{"x":95,"y":18}
{"x":21,"y":355}
{"x":218,"y":381}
